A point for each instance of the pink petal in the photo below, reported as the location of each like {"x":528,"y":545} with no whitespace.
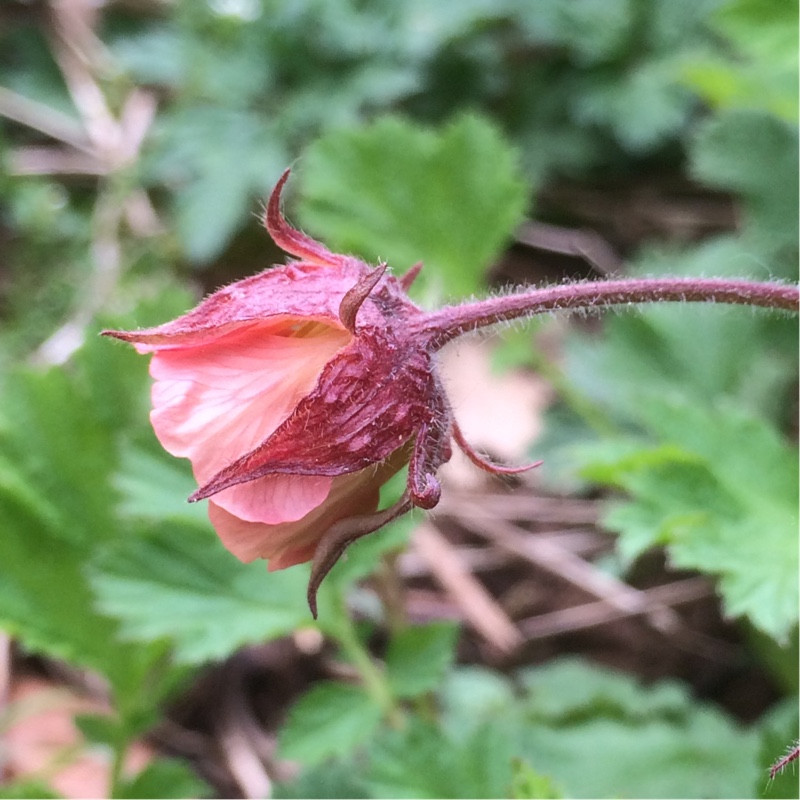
{"x":215,"y":402}
{"x":275,"y":498}
{"x":292,"y":543}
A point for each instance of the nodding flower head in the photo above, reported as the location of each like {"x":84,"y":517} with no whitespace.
{"x":298,"y":392}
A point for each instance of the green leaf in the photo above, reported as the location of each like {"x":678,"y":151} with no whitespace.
{"x":749,"y":356}
{"x":154,"y":487}
{"x":472,"y":695}
{"x":527,"y":784}
{"x":570,"y":689}
{"x":592,"y":30}
{"x":420,"y":762}
{"x":705,"y":756}
{"x":643,"y":107}
{"x":418,"y":657}
{"x":23,"y":789}
{"x":98,"y":728}
{"x":164,"y":778}
{"x":755,"y":155}
{"x":219,"y":159}
{"x":757,"y":69}
{"x":340,"y":778}
{"x":57,"y":510}
{"x":177,"y":582}
{"x":600,"y":733}
{"x":398,"y":192}
{"x":724,"y":502}
{"x":330,"y":719}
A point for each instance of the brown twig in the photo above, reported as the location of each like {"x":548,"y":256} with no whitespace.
{"x":480,"y":609}
{"x":589,"y":615}
{"x":586,"y":244}
{"x":46,"y":120}
{"x":508,"y":506}
{"x":547,"y":555}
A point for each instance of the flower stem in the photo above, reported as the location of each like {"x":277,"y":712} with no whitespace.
{"x":374,"y":679}
{"x":452,"y":321}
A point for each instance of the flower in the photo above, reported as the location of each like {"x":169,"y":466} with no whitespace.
{"x":296,"y":394}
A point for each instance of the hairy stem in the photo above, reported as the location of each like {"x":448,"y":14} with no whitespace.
{"x":450,"y":322}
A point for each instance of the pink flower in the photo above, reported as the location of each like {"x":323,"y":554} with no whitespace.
{"x":296,"y":394}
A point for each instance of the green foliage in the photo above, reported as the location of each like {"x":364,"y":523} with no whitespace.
{"x":759,"y":70}
{"x":756,"y":156}
{"x":419,"y":762}
{"x":567,"y":729}
{"x":215,"y":603}
{"x":527,"y":783}
{"x":57,"y":510}
{"x":27,"y":790}
{"x":397,"y":192}
{"x":164,"y":778}
{"x":727,"y":512}
{"x":330,"y":719}
{"x":418,"y":658}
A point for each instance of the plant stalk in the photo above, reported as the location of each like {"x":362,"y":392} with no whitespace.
{"x":374,"y":679}
{"x":441,"y":327}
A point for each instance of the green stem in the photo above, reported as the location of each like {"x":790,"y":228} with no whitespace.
{"x":372,"y":676}
{"x":117,"y":766}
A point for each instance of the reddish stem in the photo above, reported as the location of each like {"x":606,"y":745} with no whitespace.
{"x":452,"y":321}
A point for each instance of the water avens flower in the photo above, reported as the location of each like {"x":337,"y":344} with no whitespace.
{"x":297,"y":393}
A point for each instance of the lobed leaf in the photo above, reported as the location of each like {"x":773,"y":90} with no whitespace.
{"x":401,"y":193}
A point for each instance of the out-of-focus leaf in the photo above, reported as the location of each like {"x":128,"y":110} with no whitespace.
{"x":758,"y":70}
{"x":330,"y":719}
{"x":219,"y":160}
{"x":331,"y":780}
{"x":152,"y":56}
{"x":471,"y":694}
{"x":32,"y":789}
{"x":643,"y":108}
{"x":705,"y":756}
{"x":99,"y":729}
{"x":592,"y":30}
{"x":418,"y":657}
{"x":57,"y":510}
{"x":755,"y":155}
{"x":746,"y":355}
{"x":419,"y":762}
{"x":397,"y":192}
{"x":610,"y":736}
{"x":179,"y":584}
{"x":527,"y":783}
{"x":568,"y":689}
{"x":721,"y":494}
{"x":156,"y":488}
{"x":165,"y":778}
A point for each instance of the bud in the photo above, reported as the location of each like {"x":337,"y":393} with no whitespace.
{"x":296,"y":394}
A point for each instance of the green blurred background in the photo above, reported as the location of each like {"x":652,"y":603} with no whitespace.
{"x":499,"y":141}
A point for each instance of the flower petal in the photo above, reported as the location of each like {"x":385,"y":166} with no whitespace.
{"x":294,"y":542}
{"x":275,"y":498}
{"x":212,"y":404}
{"x":370,"y":399}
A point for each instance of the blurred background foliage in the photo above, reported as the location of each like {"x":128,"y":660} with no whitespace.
{"x":138,"y":139}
